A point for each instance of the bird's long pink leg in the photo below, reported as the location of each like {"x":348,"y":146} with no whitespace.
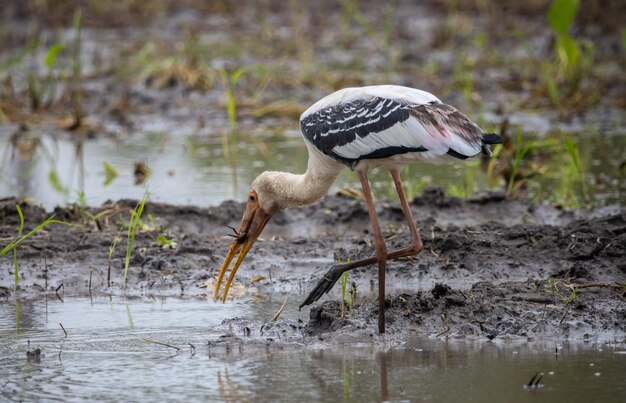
{"x":416,"y":245}
{"x":381,"y":249}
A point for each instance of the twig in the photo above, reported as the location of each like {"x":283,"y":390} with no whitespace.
{"x":90,"y":274}
{"x":162,"y":344}
{"x":606,"y":285}
{"x":535,"y":382}
{"x":275,"y":317}
{"x":445,"y":322}
{"x":63,"y":329}
{"x":193,"y":349}
{"x":432,"y":240}
{"x":563,"y":317}
{"x":45,"y":273}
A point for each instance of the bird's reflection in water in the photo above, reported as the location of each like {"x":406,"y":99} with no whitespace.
{"x":384,"y":391}
{"x":228,"y":389}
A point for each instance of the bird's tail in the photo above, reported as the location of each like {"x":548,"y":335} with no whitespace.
{"x":490,"y":138}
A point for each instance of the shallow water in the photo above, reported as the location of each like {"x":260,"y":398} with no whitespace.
{"x":106,"y":356}
{"x":191,"y":169}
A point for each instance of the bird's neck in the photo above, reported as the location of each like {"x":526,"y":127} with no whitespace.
{"x":303,"y":189}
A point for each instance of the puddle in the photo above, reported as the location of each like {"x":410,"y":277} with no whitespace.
{"x":106,"y":356}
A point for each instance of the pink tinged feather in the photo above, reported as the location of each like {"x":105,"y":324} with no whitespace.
{"x":450,"y":127}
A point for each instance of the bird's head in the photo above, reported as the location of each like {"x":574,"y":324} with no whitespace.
{"x":260,"y":206}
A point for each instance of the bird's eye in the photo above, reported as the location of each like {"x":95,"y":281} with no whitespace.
{"x":252,"y":198}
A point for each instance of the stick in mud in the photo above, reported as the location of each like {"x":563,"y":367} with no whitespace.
{"x":64,"y":331}
{"x":162,"y":344}
{"x":280,"y":310}
{"x":45,"y":273}
{"x":563,"y":317}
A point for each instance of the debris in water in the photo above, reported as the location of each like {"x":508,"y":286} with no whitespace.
{"x":535,"y":382}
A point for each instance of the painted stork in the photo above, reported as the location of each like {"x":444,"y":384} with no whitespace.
{"x":361,"y":128}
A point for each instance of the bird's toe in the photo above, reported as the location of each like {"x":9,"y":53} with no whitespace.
{"x":324,"y":285}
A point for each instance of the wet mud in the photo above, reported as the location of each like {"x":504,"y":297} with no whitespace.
{"x":492,"y":267}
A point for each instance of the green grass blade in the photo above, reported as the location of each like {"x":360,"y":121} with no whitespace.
{"x":110,"y":173}
{"x":561,"y":15}
{"x":12,"y":246}
{"x":19,"y":239}
{"x":53,"y":53}
{"x":21,"y":214}
{"x":16,"y":269}
{"x":133,"y":225}
{"x":344,"y":282}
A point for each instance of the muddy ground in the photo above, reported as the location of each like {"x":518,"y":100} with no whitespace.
{"x":491,"y":266}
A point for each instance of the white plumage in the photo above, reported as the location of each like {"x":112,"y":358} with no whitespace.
{"x":388,"y":125}
{"x":382,"y":91}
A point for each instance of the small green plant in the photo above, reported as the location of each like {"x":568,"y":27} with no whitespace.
{"x":12,"y":246}
{"x":112,"y":247}
{"x":51,"y":58}
{"x":553,"y":287}
{"x":76,"y":91}
{"x":575,"y":173}
{"x":522,"y":149}
{"x":352,"y":294}
{"x":573,"y":58}
{"x":133,"y":225}
{"x":82,"y":203}
{"x":468,"y":185}
{"x":229,"y":81}
{"x":16,"y":267}
{"x":110,"y":173}
{"x":165,"y":242}
{"x":55,"y":182}
{"x":344,"y":282}
{"x":492,"y":164}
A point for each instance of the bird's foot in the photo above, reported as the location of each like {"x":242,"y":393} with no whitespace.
{"x":324,"y":285}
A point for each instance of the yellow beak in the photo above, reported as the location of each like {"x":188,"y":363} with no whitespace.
{"x":252,"y":224}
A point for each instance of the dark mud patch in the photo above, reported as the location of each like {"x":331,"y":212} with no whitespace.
{"x":487,"y":310}
{"x":491,"y":266}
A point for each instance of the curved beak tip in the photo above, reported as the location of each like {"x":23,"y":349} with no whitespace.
{"x":252,"y":224}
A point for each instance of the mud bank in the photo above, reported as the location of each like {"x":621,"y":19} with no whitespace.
{"x":491,"y":266}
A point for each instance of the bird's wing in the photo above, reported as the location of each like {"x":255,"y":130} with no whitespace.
{"x":378,"y":127}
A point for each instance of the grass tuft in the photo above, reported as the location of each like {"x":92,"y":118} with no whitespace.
{"x":133,"y":225}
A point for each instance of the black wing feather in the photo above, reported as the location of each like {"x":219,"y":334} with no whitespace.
{"x":340,"y":124}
